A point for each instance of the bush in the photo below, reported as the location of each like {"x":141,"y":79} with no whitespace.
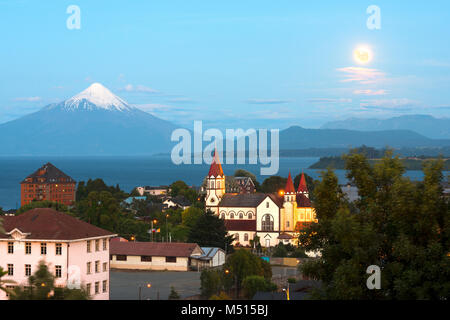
{"x":252,"y":284}
{"x":280,"y":251}
{"x":292,"y":280}
{"x":173,"y":294}
{"x":221,"y":296}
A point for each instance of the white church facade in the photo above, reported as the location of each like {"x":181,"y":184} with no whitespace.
{"x":272,"y":218}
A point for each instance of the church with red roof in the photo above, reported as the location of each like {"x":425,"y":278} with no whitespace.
{"x":272,"y":218}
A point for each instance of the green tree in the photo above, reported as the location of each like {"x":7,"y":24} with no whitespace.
{"x":252,"y":284}
{"x":43,"y":204}
{"x":221,"y":296}
{"x":212,"y":282}
{"x":41,"y":286}
{"x":309,"y":182}
{"x":399,"y":225}
{"x":280,"y":251}
{"x":242,"y":263}
{"x":273,"y":184}
{"x":173,"y":294}
{"x":209,"y":231}
{"x":190,"y":216}
{"x":5,"y":282}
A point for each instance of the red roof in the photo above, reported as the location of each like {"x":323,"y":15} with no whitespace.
{"x":240,"y":225}
{"x":289,"y":185}
{"x":216,"y":168}
{"x":49,"y":224}
{"x":158,"y":249}
{"x":303,"y":201}
{"x":302,"y":185}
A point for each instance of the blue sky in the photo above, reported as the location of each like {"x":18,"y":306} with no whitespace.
{"x":230,"y":63}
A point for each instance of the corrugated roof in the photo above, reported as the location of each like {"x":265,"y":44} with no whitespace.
{"x":49,"y":224}
{"x":159,"y":249}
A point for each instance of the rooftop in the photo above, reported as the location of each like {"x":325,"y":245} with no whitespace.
{"x":159,"y":249}
{"x":49,"y":224}
{"x":48,"y":173}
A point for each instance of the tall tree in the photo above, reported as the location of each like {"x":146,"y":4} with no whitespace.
{"x":399,"y":225}
{"x":209,"y":231}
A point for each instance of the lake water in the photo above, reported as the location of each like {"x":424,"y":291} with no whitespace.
{"x":130,"y":172}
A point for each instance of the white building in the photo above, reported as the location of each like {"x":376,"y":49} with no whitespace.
{"x":273,"y":218}
{"x":172,"y":256}
{"x":76,"y":252}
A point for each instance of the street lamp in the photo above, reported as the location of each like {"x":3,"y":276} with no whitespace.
{"x":148,"y":285}
{"x":154,"y":221}
{"x":167,"y":231}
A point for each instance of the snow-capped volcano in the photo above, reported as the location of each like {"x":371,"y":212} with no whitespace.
{"x":96,"y":96}
{"x":93,"y":122}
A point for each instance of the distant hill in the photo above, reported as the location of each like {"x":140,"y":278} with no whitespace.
{"x":297,"y":137}
{"x":424,"y":124}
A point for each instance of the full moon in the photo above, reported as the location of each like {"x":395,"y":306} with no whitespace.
{"x":362,"y":55}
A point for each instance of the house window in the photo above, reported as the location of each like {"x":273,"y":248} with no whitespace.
{"x":105,"y":266}
{"x":146,"y":258}
{"x":171,"y":259}
{"x":88,"y":246}
{"x":121,"y":257}
{"x":105,"y":287}
{"x":105,"y":244}
{"x":97,"y":287}
{"x":58,"y":271}
{"x":11,"y":247}
{"x":58,"y":249}
{"x":88,"y":288}
{"x":97,"y":266}
{"x":88,"y":268}
{"x":43,"y":248}
{"x":10,"y":288}
{"x":28,"y":248}
{"x":28,"y":270}
{"x":245,"y":236}
{"x":10,"y":269}
{"x":97,"y":245}
{"x":236,"y":237}
{"x":267,"y":223}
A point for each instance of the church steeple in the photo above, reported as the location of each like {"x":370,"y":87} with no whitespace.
{"x":289,"y":191}
{"x":302,"y":187}
{"x":215,"y":169}
{"x":215,"y":184}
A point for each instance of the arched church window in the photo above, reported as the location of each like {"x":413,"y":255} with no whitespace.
{"x":223,"y":215}
{"x":241,"y":215}
{"x":267,"y":222}
{"x":287,"y":224}
{"x":250,"y":216}
{"x":267,"y":204}
{"x":236,"y":237}
{"x":245,"y":236}
{"x":231,"y":215}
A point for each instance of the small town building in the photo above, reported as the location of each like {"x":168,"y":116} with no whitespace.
{"x":154,"y":191}
{"x":48,"y":183}
{"x":211,"y":257}
{"x":270,"y":218}
{"x":177,"y":202}
{"x":76,"y":252}
{"x":173,"y":256}
{"x":246,"y":184}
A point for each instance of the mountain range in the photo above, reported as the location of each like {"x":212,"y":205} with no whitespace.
{"x":97,"y":122}
{"x":426,"y":125}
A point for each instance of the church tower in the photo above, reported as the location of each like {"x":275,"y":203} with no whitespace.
{"x":302,"y":188}
{"x":289,"y":205}
{"x":215,"y":184}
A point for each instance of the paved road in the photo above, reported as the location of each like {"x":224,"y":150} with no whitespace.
{"x":125,"y":284}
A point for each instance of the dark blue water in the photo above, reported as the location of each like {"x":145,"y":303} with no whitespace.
{"x":130,"y":172}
